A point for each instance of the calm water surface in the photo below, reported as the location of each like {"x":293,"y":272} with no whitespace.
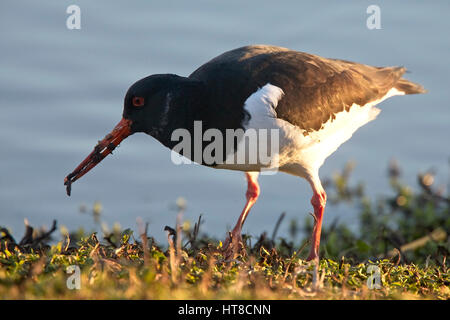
{"x":61,"y":90}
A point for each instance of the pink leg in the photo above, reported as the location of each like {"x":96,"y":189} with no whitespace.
{"x":251,"y":195}
{"x":318,"y":201}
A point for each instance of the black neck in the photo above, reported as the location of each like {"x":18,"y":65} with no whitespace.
{"x":188,"y":102}
{"x":191,"y":101}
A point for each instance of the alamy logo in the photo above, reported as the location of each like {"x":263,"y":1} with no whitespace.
{"x":374,"y":280}
{"x":74,"y":280}
{"x":374,"y":20}
{"x":255,"y":147}
{"x":74,"y":20}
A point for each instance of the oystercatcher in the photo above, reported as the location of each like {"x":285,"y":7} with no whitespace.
{"x":313,"y":104}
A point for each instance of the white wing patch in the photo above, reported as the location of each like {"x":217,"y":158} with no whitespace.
{"x":263,"y":102}
{"x":261,"y":106}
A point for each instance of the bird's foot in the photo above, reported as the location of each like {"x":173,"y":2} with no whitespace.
{"x":233,"y":245}
{"x":318,"y":201}
{"x":313,"y":253}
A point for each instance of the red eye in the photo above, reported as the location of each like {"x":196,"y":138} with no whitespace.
{"x":138,"y":101}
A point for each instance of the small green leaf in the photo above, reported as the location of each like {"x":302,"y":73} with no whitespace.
{"x":362,"y":246}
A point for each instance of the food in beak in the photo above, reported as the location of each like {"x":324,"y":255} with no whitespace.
{"x":101,"y":150}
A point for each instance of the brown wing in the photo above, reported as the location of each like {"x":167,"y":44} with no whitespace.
{"x":315,"y":88}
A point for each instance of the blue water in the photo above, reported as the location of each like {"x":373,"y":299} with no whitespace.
{"x":61,"y":90}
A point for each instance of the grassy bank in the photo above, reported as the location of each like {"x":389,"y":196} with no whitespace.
{"x":399,"y":253}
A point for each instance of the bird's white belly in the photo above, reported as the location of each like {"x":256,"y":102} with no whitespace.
{"x":295,"y":152}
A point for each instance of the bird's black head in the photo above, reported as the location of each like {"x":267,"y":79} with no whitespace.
{"x":148,"y":103}
{"x":155,"y":105}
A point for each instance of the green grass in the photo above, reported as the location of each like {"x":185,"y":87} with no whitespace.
{"x":129,"y":272}
{"x":404,"y":235}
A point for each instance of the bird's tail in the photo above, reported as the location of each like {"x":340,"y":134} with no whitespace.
{"x":388,"y":77}
{"x":409,"y":87}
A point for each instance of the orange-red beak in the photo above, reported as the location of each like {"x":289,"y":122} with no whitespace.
{"x":101,"y":150}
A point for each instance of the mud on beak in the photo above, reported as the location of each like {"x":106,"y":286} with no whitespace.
{"x":101,"y":150}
